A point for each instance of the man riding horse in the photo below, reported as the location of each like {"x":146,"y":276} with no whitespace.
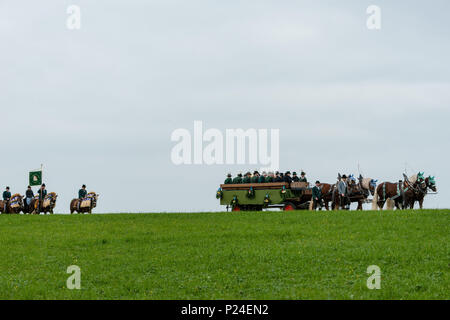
{"x":85,"y":202}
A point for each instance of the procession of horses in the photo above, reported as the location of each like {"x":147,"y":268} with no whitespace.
{"x":35,"y":205}
{"x":264,"y":191}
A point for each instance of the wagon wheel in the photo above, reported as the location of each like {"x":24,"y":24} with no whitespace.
{"x":289,"y":206}
{"x":236,"y":208}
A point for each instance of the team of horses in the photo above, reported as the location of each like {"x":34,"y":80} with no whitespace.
{"x":18,"y":204}
{"x":402,"y":194}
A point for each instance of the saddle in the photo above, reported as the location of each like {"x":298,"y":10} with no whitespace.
{"x":15,"y":201}
{"x":86,"y":202}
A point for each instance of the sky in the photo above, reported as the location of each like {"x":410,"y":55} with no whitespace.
{"x":98,"y":105}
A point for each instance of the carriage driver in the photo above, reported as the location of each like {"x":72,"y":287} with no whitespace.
{"x":42,"y":193}
{"x":342,"y":189}
{"x":6,"y":197}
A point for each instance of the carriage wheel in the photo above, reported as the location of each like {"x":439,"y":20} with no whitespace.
{"x":289,"y":207}
{"x":236,"y":208}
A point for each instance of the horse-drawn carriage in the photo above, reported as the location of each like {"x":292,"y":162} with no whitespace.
{"x":257,"y":196}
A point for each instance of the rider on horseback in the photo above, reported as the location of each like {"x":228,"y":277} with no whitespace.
{"x":6,"y":197}
{"x":81,"y":195}
{"x":42,"y":193}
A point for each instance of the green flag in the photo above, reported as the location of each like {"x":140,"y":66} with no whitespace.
{"x":36,"y":178}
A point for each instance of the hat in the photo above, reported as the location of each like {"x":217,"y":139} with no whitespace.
{"x":239,"y":174}
{"x":43,"y":185}
{"x":302,"y":173}
{"x":344,"y":176}
{"x":276,"y":172}
{"x":83,"y":186}
{"x":7,"y":188}
{"x":287,"y":172}
{"x":229,"y":175}
{"x":255,"y":172}
{"x":294,"y":173}
{"x":317,"y":181}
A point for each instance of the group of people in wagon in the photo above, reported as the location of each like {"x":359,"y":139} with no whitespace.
{"x":266,"y":177}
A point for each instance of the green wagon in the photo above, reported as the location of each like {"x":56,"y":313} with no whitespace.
{"x":258,"y":196}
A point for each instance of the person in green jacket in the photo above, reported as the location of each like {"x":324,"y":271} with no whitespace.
{"x":263,"y":177}
{"x":6,"y":198}
{"x":238,"y":179}
{"x":255,"y":178}
{"x":82,"y":192}
{"x":269,"y":177}
{"x":247,"y":178}
{"x":42,"y":193}
{"x":228,"y":180}
{"x":303,"y":177}
{"x":317,"y":196}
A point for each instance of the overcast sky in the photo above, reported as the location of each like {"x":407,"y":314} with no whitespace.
{"x":98,"y":105}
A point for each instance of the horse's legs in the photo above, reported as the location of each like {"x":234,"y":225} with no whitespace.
{"x":359,"y":205}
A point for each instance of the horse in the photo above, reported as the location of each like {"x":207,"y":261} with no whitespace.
{"x":47,"y":205}
{"x":359,"y":192}
{"x":14,"y":205}
{"x":396,"y":193}
{"x":327,"y":194}
{"x":84,"y":205}
{"x":421,"y":192}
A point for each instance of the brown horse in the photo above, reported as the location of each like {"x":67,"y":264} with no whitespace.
{"x":397,"y":192}
{"x":360,"y":191}
{"x":327,"y":194}
{"x":14,"y":205}
{"x":84,"y":205}
{"x":411,"y":196}
{"x":46,"y":206}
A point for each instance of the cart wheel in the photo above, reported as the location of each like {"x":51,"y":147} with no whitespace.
{"x":289,"y":206}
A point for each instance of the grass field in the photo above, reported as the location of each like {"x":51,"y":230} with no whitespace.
{"x":243,"y":255}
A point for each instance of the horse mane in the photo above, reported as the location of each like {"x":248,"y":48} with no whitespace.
{"x":413,"y":178}
{"x":366,"y":183}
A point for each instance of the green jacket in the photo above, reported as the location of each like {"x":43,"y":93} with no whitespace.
{"x":237,"y":180}
{"x":303,"y":179}
{"x":6,"y":195}
{"x":268,"y":179}
{"x":255,"y":179}
{"x":228,"y":180}
{"x":42,"y":194}
{"x":82,"y":194}
{"x":316,"y":192}
{"x":246,"y":180}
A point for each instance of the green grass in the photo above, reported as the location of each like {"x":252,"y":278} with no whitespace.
{"x":244,"y":255}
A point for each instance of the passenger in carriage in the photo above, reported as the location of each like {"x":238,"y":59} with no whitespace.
{"x":263,"y":177}
{"x":6,"y":198}
{"x":269,"y":177}
{"x":277,"y":177}
{"x":247,"y":178}
{"x":295,"y":178}
{"x":228,"y":180}
{"x":287,"y":177}
{"x":303,"y":177}
{"x":255,"y":178}
{"x":238,"y":179}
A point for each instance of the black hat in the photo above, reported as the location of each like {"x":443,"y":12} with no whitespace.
{"x":287,"y":172}
{"x":255,"y":172}
{"x":43,"y":185}
{"x":239,"y":174}
{"x":83,"y":186}
{"x":344,"y":177}
{"x":302,"y":173}
{"x":317,"y":181}
{"x":228,"y":175}
{"x":281,"y":174}
{"x":29,"y":187}
{"x":294,"y":173}
{"x":7,"y":188}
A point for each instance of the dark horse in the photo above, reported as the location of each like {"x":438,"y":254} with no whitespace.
{"x":396,"y":192}
{"x":356,"y":192}
{"x":14,"y":205}
{"x":411,"y":196}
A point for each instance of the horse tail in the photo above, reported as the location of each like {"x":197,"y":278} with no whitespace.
{"x":375,"y":200}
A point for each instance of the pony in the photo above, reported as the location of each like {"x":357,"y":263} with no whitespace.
{"x":47,"y":205}
{"x":84,"y":205}
{"x":14,"y":205}
{"x":421,"y":192}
